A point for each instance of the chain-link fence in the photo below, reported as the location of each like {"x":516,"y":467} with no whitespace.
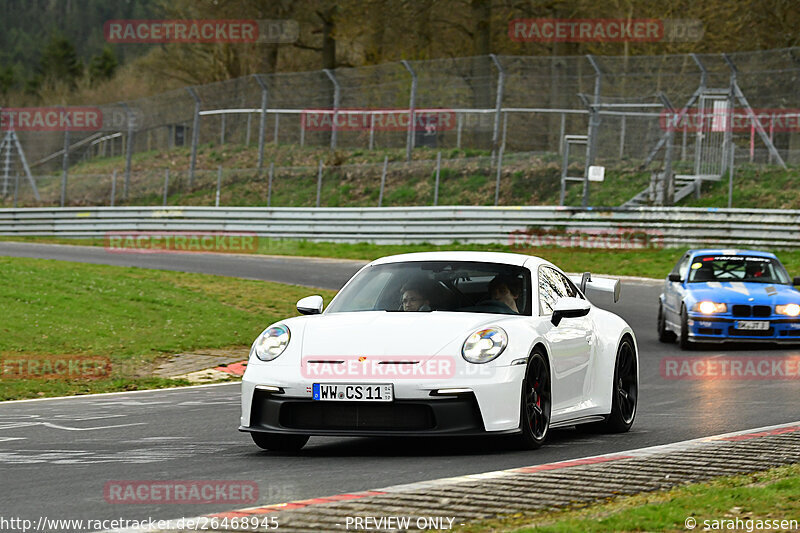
{"x":522,"y":104}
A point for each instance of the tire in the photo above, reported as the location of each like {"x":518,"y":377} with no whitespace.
{"x":279,"y":443}
{"x":624,"y":393}
{"x":683,"y":339}
{"x":664,"y":335}
{"x":535,"y":402}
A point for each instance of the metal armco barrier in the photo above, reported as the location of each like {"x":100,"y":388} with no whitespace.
{"x":520,"y":226}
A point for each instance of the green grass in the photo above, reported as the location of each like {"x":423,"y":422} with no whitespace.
{"x":769,"y":495}
{"x":132,"y":316}
{"x":753,"y":187}
{"x":648,"y":262}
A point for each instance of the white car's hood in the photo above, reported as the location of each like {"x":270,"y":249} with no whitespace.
{"x":377,"y":333}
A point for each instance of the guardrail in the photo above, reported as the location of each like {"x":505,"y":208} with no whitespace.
{"x":519,"y":226}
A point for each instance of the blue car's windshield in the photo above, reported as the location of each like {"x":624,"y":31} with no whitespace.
{"x":737,"y":268}
{"x":420,"y":286}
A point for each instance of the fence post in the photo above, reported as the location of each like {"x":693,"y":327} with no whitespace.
{"x":371,"y":131}
{"x":247,"y":135}
{"x":460,"y":123}
{"x":594,"y":123}
{"x":336,"y":97}
{"x":561,"y":134}
{"x":771,"y":132}
{"x":501,"y":76}
{"x":499,"y":169}
{"x":269,"y":183}
{"x":319,"y":181}
{"x":219,"y":184}
{"x":436,"y":184}
{"x":129,"y":148}
{"x":622,"y":137}
{"x":113,"y":186}
{"x":166,"y":186}
{"x":263,"y":122}
{"x":195,"y":134}
{"x":412,"y":102}
{"x":222,"y":129}
{"x":275,"y":134}
{"x":383,"y":180}
{"x":730,"y":177}
{"x":65,"y":168}
{"x":16,"y":188}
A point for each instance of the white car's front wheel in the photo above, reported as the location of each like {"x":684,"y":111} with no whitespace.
{"x":279,"y":443}
{"x":536,"y":402}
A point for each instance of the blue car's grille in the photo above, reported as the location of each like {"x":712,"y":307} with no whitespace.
{"x":760,"y":311}
{"x":741,"y":310}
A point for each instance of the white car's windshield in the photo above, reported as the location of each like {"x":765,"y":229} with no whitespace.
{"x":423,"y":286}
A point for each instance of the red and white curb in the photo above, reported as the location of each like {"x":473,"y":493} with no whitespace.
{"x":748,"y":434}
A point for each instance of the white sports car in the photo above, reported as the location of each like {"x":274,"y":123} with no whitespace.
{"x":444,"y":343}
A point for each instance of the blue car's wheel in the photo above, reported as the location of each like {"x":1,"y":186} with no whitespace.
{"x":664,"y":335}
{"x":683,"y":339}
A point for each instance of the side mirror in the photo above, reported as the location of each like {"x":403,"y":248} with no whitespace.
{"x":310,"y":305}
{"x":569,"y":308}
{"x":796,"y":281}
{"x":674,"y":276}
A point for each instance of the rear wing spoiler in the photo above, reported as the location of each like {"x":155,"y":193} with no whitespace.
{"x":587,"y":281}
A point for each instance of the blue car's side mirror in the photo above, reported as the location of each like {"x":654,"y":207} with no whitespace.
{"x":673,"y":276}
{"x":796,"y":281}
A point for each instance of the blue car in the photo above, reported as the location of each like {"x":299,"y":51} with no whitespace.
{"x":727,"y":296}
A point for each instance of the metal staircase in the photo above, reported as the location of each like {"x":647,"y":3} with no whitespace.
{"x":8,"y":147}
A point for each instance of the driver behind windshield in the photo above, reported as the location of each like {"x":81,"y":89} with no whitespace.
{"x":505,"y":289}
{"x":415,"y":296}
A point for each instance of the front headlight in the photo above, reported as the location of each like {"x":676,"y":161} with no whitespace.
{"x":709,"y":308}
{"x":270,"y":344}
{"x":788,"y":309}
{"x":484,"y":345}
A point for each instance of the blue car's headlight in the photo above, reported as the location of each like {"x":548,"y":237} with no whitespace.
{"x":709,"y":308}
{"x":484,"y":345}
{"x":270,"y":344}
{"x":788,"y":309}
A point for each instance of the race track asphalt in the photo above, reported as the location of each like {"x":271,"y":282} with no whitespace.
{"x":57,"y":455}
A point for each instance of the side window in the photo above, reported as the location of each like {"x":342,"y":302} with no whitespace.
{"x":552,"y":286}
{"x":683,"y":267}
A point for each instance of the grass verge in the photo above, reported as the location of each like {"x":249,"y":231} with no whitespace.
{"x":131,"y":317}
{"x":648,"y":262}
{"x":767,"y":496}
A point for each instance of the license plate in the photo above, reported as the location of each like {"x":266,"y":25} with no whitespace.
{"x":353,"y":392}
{"x":757,"y":325}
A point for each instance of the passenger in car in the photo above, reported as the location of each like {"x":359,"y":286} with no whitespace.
{"x":505,"y":289}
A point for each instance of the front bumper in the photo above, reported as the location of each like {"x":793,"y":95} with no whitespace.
{"x":490,"y":404}
{"x":438,"y":416}
{"x":704,"y":328}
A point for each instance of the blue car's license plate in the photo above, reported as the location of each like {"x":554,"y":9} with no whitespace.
{"x":754,"y":325}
